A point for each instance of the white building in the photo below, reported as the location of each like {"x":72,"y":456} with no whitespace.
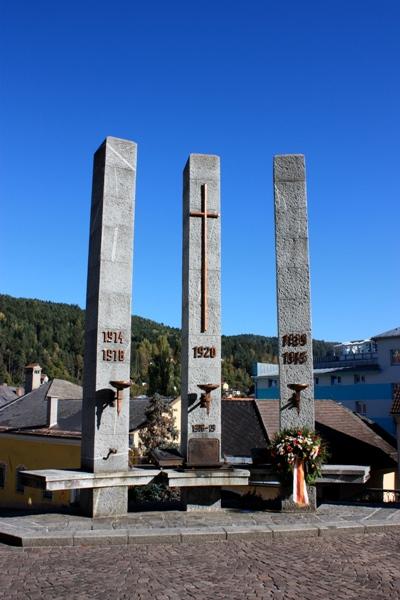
{"x":364,"y":375}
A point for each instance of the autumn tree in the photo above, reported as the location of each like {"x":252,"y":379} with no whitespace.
{"x":160,"y":430}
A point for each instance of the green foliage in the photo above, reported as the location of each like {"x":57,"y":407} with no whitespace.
{"x":164,"y":376}
{"x":53,"y":335}
{"x":236,"y":377}
{"x":160,"y":429}
{"x":44,"y":332}
{"x":155,"y":492}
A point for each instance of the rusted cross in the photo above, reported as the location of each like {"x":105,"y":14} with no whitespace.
{"x":204,"y":260}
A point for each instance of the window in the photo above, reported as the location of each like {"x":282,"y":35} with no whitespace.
{"x":2,"y":475}
{"x":272,"y":383}
{"x":359,"y":378}
{"x":47,"y":495}
{"x":335,"y":379}
{"x":316,"y":380}
{"x":19,"y":486}
{"x":395,"y":356}
{"x":361,"y":407}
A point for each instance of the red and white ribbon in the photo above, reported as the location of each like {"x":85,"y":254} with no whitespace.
{"x":300,"y":495}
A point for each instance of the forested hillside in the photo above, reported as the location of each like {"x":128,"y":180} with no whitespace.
{"x":53,"y":335}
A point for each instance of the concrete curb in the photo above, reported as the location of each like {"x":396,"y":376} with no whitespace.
{"x":268,"y":533}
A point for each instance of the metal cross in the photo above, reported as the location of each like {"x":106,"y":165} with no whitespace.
{"x":204,"y":261}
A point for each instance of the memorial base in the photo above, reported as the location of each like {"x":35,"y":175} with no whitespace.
{"x":202,"y":498}
{"x":288,"y":505}
{"x":209,"y":478}
{"x":104,"y":502}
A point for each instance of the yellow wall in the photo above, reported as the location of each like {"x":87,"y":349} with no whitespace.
{"x":34,"y":452}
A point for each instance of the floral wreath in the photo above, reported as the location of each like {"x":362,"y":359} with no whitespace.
{"x":291,"y":446}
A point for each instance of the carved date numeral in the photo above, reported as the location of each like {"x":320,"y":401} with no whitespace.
{"x":294,"y":358}
{"x":113,"y":355}
{"x":112,"y":337}
{"x":204,"y":352}
{"x":200,"y":428}
{"x":294,"y":339}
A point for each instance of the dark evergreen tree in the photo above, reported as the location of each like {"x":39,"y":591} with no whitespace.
{"x":160,"y":430}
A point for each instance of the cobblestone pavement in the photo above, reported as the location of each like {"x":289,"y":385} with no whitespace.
{"x":343,"y":567}
{"x":225,"y":517}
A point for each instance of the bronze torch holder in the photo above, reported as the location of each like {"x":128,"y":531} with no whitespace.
{"x":119,"y":386}
{"x":205,"y":398}
{"x":297,"y":389}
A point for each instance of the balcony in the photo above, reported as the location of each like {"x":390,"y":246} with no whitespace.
{"x":361,"y":359}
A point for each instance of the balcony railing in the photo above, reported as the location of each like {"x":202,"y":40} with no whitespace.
{"x":346,"y":360}
{"x":377,"y":496}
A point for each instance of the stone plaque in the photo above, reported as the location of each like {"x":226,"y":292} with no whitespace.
{"x":203,"y":452}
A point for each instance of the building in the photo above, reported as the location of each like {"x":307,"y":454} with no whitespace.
{"x":363,"y":375}
{"x":42,"y":430}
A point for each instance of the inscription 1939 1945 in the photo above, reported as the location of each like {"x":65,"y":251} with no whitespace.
{"x":293,"y":340}
{"x":111,"y":354}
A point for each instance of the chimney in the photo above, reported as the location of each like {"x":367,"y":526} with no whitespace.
{"x":32,"y":377}
{"x":52,"y":411}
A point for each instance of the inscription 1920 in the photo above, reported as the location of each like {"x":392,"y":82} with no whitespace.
{"x":293,"y":340}
{"x":204,"y":352}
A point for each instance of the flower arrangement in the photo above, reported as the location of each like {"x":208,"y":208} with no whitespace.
{"x":291,"y":446}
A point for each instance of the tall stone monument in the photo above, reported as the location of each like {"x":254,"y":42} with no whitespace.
{"x":105,"y":408}
{"x":293,"y":296}
{"x":201,"y":312}
{"x":293,"y":293}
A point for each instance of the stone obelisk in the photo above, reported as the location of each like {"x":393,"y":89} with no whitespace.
{"x":105,"y":408}
{"x":293,"y":293}
{"x":201,"y":312}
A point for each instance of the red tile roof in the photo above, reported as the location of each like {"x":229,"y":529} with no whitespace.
{"x":395,"y":410}
{"x":330,"y":414}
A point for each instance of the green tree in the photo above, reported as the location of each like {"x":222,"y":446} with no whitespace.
{"x":161,"y":369}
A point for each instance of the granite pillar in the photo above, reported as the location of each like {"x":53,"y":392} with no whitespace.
{"x":293,"y":295}
{"x":201,"y":308}
{"x":105,"y":422}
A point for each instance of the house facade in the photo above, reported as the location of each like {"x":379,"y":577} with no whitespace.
{"x":363,"y":375}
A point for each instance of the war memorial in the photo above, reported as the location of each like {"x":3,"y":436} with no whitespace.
{"x":105,"y":475}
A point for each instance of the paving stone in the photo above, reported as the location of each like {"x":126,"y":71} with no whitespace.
{"x":59,"y":538}
{"x":192,"y":534}
{"x":239,"y":532}
{"x":373,"y":526}
{"x":296,"y":530}
{"x":103,"y":537}
{"x":154,"y":536}
{"x":345,"y":568}
{"x":340,"y":528}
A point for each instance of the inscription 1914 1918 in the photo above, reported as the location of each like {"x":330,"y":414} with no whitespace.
{"x":113,"y":337}
{"x":294,"y":340}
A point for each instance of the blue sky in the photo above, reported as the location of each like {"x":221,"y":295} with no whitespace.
{"x":245,"y":80}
